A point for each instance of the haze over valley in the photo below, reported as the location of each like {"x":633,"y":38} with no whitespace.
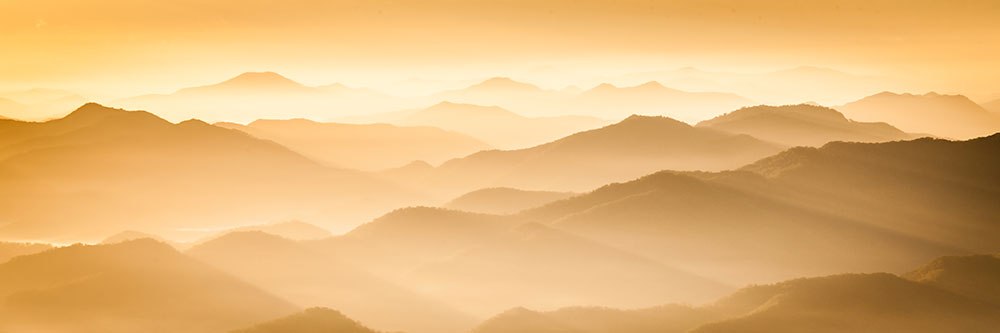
{"x":476,"y":167}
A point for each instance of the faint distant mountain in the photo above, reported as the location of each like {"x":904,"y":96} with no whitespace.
{"x":793,"y":85}
{"x":295,"y":230}
{"x":366,"y":147}
{"x":252,"y":83}
{"x":631,"y":148}
{"x":136,"y":286}
{"x":38,"y":104}
{"x":976,"y":276}
{"x":495,"y":125}
{"x":503,"y":200}
{"x":305,"y":276}
{"x":539,"y":266}
{"x":10,"y":250}
{"x":802,"y":125}
{"x":115,"y":170}
{"x":951,"y":116}
{"x":131,"y":235}
{"x":653,"y":98}
{"x":605,"y":100}
{"x":310,"y":320}
{"x":36,"y":95}
{"x":992,"y":106}
{"x":260,"y":95}
{"x":853,"y":303}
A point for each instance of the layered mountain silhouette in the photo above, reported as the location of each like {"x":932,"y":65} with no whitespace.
{"x":855,"y":303}
{"x":310,"y":278}
{"x":114,"y":170}
{"x":631,"y":148}
{"x":650,"y":98}
{"x":494,"y":125}
{"x":260,"y":95}
{"x":950,"y":116}
{"x":538,"y":266}
{"x":486,"y":263}
{"x":140,"y":285}
{"x":653,"y":98}
{"x":665,"y":215}
{"x":802,"y":125}
{"x":366,"y":147}
{"x":10,"y":250}
{"x":310,"y":320}
{"x":503,"y":200}
{"x":932,"y":189}
{"x":295,"y":230}
{"x":38,"y":104}
{"x":877,"y":302}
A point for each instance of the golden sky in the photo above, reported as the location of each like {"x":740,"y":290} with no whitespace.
{"x":132,"y":46}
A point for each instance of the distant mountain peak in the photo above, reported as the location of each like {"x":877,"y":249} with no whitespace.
{"x":254,"y":80}
{"x":505,"y":83}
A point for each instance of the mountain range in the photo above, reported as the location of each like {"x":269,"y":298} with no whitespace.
{"x":635,"y":146}
{"x":118,"y":170}
{"x":802,"y":125}
{"x":140,"y":285}
{"x":363,"y":147}
{"x":877,"y":302}
{"x":948,"y":116}
{"x":497,"y":126}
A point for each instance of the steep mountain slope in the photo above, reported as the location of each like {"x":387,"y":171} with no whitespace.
{"x":992,"y":106}
{"x":133,"y":286}
{"x":802,"y":125}
{"x":365,"y":147}
{"x":951,"y":116}
{"x":310,"y":278}
{"x":503,"y":200}
{"x":310,"y":320}
{"x":631,"y":148}
{"x":114,"y":170}
{"x":494,"y":125}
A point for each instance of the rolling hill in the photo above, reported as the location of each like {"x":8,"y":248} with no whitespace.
{"x":802,"y":125}
{"x":140,"y":285}
{"x":950,"y":116}
{"x":636,"y":146}
{"x":310,"y":278}
{"x":503,"y":200}
{"x":310,"y":320}
{"x":364,"y":147}
{"x":116,"y":170}
{"x":877,"y":302}
{"x":497,"y":126}
{"x":652,"y":98}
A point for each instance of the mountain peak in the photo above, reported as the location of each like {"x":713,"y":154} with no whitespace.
{"x":505,"y":83}
{"x":254,"y":80}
